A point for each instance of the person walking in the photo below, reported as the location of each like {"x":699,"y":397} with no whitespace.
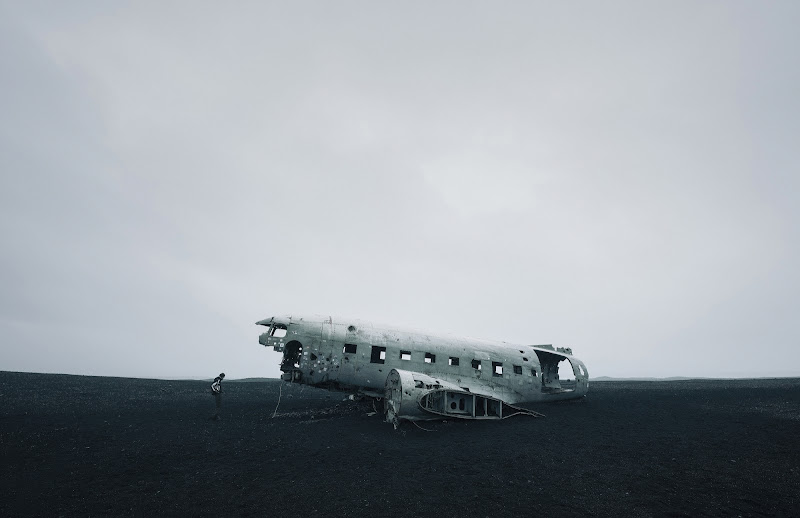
{"x":216,"y":391}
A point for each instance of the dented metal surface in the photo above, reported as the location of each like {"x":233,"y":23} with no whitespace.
{"x":421,"y":376}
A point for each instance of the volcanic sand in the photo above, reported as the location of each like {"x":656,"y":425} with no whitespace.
{"x":78,"y":445}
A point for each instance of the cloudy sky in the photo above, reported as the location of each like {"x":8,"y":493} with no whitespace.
{"x":618,"y":177}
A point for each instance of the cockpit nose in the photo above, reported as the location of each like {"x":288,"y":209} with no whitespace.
{"x":262,"y":338}
{"x":275,"y":335}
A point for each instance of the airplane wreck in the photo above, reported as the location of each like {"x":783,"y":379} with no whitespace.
{"x":421,"y":376}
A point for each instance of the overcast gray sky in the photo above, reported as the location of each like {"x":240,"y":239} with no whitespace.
{"x":618,"y":177}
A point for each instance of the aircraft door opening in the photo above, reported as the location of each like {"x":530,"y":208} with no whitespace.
{"x":292,"y":356}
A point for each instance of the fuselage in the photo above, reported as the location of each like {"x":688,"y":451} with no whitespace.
{"x":355,"y":355}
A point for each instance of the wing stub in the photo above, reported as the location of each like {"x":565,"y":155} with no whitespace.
{"x":412,"y":396}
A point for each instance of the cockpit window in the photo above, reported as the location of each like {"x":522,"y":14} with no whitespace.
{"x":278,"y":331}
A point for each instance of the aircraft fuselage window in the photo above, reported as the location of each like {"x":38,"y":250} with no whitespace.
{"x":497,"y":369}
{"x":453,"y":361}
{"x":517,"y":369}
{"x":476,"y":364}
{"x":405,"y":355}
{"x":350,"y":348}
{"x":378,"y":354}
{"x":430,"y":358}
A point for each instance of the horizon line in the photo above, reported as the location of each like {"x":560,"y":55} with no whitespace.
{"x":591,"y":378}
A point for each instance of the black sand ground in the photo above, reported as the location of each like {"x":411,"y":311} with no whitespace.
{"x":88,"y":446}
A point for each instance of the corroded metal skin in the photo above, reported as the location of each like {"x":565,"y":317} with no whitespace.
{"x":358,"y":356}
